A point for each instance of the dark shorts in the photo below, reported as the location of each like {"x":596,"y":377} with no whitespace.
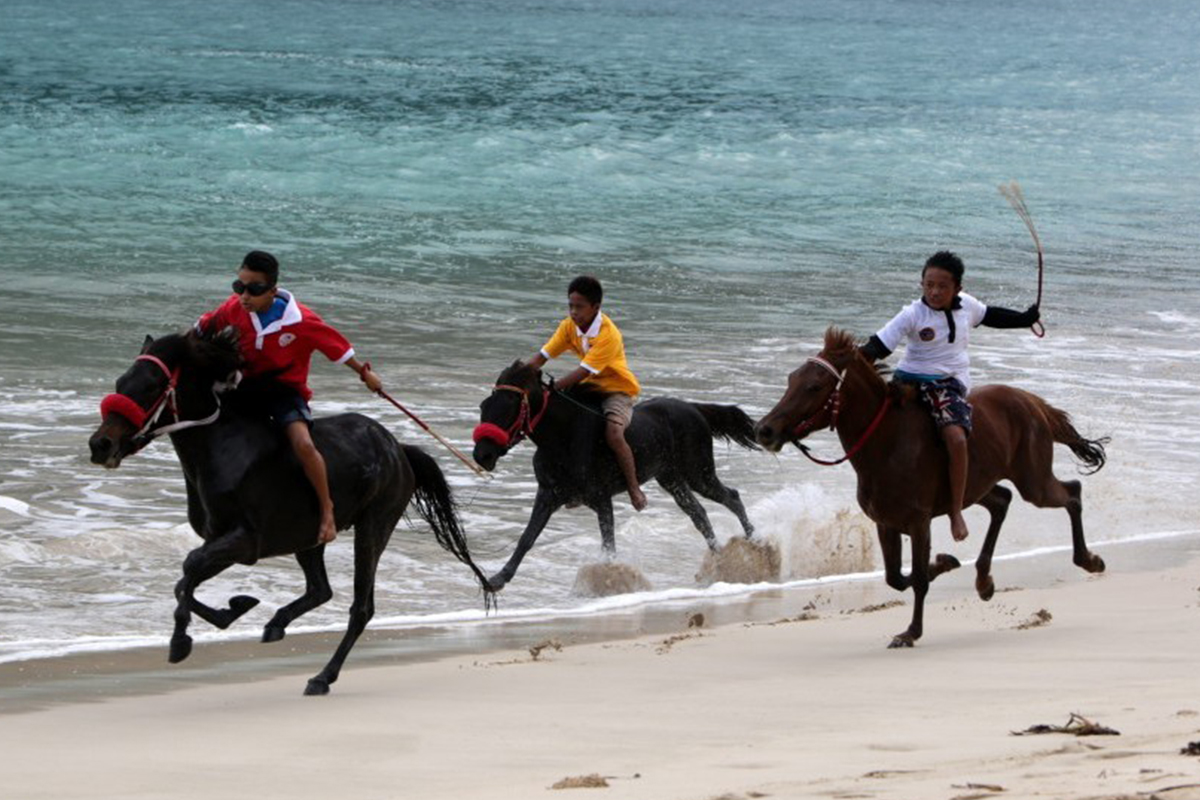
{"x":946,"y":399}
{"x":287,"y":406}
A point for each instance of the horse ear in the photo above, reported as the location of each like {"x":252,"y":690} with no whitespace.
{"x":149,"y":340}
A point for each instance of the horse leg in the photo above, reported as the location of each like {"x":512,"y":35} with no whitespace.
{"x":996,"y":501}
{"x":316,"y":593}
{"x":206,"y":561}
{"x":608,"y":529}
{"x":691,"y":506}
{"x":889,"y":545}
{"x":370,"y":537}
{"x":224,"y":617}
{"x":919,"y":580}
{"x":1047,"y":491}
{"x":544,"y":505}
{"x":711,"y":488}
{"x":1083,"y":558}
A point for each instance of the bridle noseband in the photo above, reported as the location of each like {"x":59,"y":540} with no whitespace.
{"x":524,"y":425}
{"x":833,"y":404}
{"x":145,"y":419}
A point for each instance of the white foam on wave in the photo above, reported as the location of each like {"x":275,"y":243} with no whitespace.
{"x":14,"y":505}
{"x":817,"y":534}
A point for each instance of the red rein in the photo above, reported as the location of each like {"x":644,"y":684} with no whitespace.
{"x":524,"y":425}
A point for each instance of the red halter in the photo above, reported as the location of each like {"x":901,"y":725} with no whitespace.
{"x":522,"y":426}
{"x":127,"y":407}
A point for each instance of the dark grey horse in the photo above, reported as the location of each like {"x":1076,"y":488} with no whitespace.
{"x":671,"y":442}
{"x":248,"y":498}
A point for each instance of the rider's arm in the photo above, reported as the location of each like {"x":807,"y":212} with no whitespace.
{"x":875,"y":349}
{"x":997,"y":317}
{"x":537,"y":361}
{"x":571,"y":378}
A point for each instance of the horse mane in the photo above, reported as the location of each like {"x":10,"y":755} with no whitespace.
{"x":213,"y":354}
{"x":840,"y":344}
{"x":519,"y":373}
{"x":841,"y":347}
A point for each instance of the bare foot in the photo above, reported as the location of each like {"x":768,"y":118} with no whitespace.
{"x":637,"y":497}
{"x":328,"y":530}
{"x":958,"y":527}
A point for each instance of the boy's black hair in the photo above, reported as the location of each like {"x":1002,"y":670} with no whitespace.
{"x":944,"y":259}
{"x":589,"y":287}
{"x":264,"y":262}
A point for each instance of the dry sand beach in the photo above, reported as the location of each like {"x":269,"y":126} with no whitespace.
{"x":784,"y":703}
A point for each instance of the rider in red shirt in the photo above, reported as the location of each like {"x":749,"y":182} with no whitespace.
{"x":277,"y":336}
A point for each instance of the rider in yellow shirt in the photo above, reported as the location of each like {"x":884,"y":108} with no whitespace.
{"x":590,"y":334}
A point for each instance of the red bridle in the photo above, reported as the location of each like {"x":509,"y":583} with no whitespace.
{"x":524,"y":425}
{"x":127,"y":407}
{"x":833,"y":404}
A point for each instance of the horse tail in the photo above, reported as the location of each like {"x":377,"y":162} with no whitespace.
{"x":729,"y":423}
{"x":436,"y":505}
{"x":1089,"y":451}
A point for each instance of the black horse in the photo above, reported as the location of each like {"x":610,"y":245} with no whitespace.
{"x":247,"y":495}
{"x":671,"y":441}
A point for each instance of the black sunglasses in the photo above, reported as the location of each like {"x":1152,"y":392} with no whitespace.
{"x":255,"y":289}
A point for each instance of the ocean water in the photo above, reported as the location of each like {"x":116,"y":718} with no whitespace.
{"x":431,"y":175}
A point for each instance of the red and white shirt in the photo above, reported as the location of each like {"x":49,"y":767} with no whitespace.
{"x":284,"y":347}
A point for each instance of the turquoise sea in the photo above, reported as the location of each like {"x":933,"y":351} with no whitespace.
{"x":431,"y":174}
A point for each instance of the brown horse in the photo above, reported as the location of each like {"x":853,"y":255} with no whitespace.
{"x":902,"y":474}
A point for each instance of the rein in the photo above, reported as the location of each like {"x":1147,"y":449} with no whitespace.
{"x":524,"y":425}
{"x":834,"y":404}
{"x":145,"y":419}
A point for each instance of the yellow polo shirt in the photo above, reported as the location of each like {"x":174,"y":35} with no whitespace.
{"x":601,"y":350}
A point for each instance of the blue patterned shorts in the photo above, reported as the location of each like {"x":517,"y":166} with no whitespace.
{"x":946,"y":399}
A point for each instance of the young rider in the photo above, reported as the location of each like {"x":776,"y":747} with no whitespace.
{"x":591,"y":335}
{"x":277,"y":336}
{"x":937,"y":329}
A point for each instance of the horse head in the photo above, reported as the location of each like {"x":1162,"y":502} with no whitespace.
{"x":813,"y":394}
{"x":159,"y":388}
{"x":509,"y":413}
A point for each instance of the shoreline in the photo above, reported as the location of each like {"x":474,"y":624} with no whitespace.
{"x":92,"y":676}
{"x":804,"y":706}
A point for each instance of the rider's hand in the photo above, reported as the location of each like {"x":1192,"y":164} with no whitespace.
{"x":1035,"y":312}
{"x":371,"y":379}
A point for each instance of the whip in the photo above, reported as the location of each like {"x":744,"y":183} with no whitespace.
{"x":1012,"y":193}
{"x":478,"y":470}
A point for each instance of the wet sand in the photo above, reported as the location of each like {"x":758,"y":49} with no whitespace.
{"x":786,"y":693}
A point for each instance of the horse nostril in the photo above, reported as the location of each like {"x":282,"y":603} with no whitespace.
{"x":764,"y":432}
{"x":102,"y":448}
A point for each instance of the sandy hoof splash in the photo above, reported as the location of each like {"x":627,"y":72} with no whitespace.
{"x":608,"y":578}
{"x":741,"y":561}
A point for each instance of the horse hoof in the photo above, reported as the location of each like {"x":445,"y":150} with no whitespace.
{"x":946,"y":562}
{"x":903,"y":640}
{"x":181,"y":648}
{"x":316,"y":686}
{"x":272,"y":633}
{"x":241,"y":604}
{"x":985,"y":589}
